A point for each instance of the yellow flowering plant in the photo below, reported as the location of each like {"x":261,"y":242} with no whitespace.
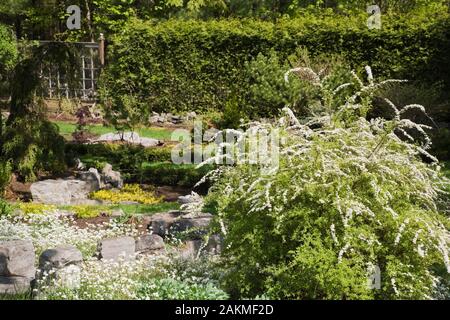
{"x":28,"y":208}
{"x":86,"y":212}
{"x":130,"y":192}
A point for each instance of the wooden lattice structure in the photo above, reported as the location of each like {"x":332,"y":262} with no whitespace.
{"x":91,"y":60}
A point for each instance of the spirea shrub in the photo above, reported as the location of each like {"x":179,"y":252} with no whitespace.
{"x":353,"y":203}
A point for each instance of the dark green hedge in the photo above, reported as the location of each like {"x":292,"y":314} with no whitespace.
{"x":138,"y":164}
{"x":197,"y":65}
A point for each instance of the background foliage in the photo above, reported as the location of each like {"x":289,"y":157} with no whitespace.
{"x":193,"y":65}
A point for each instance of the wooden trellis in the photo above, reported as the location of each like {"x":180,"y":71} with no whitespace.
{"x":92,"y":59}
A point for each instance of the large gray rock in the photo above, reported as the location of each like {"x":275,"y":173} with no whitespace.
{"x":191,"y":116}
{"x":111,"y":177}
{"x":191,"y":249}
{"x":60,"y":192}
{"x":156,"y":119}
{"x":17,"y":259}
{"x":86,"y":202}
{"x":60,"y":257}
{"x":116,"y":248}
{"x":130,"y":137}
{"x":197,"y":224}
{"x":162,"y":222}
{"x":174,"y":221}
{"x":176,"y":119}
{"x":14,"y":285}
{"x":194,"y":248}
{"x":215,"y":244}
{"x":149,"y":142}
{"x":149,"y":242}
{"x":190,"y":198}
{"x":92,"y":177}
{"x":68,"y":277}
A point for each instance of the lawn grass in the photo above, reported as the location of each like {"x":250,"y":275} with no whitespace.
{"x":66,"y":129}
{"x":137,"y":209}
{"x":147,"y":208}
{"x":167,"y":165}
{"x":18,"y":296}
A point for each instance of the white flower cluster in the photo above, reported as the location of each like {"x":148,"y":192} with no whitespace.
{"x":105,"y":280}
{"x":50,"y":230}
{"x":363,"y":172}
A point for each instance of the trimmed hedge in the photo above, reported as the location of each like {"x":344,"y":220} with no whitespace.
{"x":198,"y":65}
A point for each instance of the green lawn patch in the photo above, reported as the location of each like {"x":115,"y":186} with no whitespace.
{"x":66,"y":129}
{"x":132,"y":208}
{"x":147,"y":208}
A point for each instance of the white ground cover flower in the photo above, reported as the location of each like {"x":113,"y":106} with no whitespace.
{"x":149,"y":277}
{"x":48,"y":231}
{"x":106,"y":280}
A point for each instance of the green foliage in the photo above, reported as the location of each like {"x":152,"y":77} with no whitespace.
{"x":147,"y":209}
{"x":8,"y":58}
{"x":347,"y":195}
{"x":86,"y":212}
{"x":33,"y":144}
{"x":232,"y":116}
{"x":172,"y":289}
{"x":31,"y":208}
{"x":5,"y":176}
{"x":5,"y":208}
{"x":172,"y":174}
{"x":265,"y":92}
{"x":197,"y":65}
{"x":138,"y":164}
{"x":44,"y":19}
{"x":441,"y":143}
{"x":189,"y":279}
{"x":8,"y":51}
{"x":126,"y":156}
{"x":129,"y":193}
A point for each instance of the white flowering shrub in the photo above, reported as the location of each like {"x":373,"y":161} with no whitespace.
{"x":349,"y":195}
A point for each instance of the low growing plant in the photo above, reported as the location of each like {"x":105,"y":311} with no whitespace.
{"x":5,"y":176}
{"x":130,"y":192}
{"x":86,"y":212}
{"x":5,"y":208}
{"x":31,"y":208}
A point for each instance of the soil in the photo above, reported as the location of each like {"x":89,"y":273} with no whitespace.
{"x":171,"y":193}
{"x":83,"y":223}
{"x":139,"y":223}
{"x":18,"y":190}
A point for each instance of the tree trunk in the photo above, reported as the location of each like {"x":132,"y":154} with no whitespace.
{"x":89,"y":20}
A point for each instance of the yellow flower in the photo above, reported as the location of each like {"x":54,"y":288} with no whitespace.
{"x":130,"y":192}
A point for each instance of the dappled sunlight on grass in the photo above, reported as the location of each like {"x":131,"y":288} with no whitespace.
{"x":66,"y":129}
